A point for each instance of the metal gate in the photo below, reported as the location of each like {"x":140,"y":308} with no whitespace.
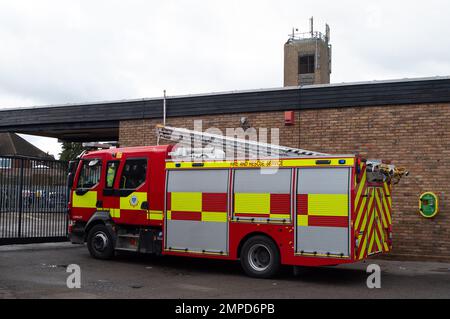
{"x":33,"y":200}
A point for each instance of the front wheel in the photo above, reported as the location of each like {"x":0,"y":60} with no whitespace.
{"x":100,"y":242}
{"x":260,"y":257}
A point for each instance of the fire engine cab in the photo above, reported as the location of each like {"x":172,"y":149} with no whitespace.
{"x":304,"y":209}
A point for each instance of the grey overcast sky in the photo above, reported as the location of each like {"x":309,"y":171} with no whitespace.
{"x":54,"y":51}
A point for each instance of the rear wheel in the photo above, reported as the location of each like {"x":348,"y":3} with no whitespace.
{"x":260,"y":257}
{"x":100,"y":242}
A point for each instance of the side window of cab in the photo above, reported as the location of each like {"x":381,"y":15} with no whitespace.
{"x":133,"y":174}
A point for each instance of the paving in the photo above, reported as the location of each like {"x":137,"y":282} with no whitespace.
{"x":39,"y":271}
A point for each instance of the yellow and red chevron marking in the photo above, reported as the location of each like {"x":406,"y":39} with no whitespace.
{"x":387,"y":202}
{"x":197,"y":206}
{"x":366,"y":226}
{"x":372,"y":216}
{"x":377,"y":239}
{"x":360,"y":207}
{"x":372,"y":227}
{"x":360,"y":200}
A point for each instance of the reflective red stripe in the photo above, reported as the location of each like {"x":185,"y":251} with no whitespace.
{"x":280,"y":203}
{"x":302,"y":204}
{"x":169,"y":201}
{"x":186,"y":215}
{"x":214,"y":202}
{"x":328,"y":221}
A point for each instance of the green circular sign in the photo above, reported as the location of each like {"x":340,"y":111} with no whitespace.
{"x":428,"y":204}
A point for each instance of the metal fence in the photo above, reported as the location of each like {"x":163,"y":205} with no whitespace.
{"x":33,"y":200}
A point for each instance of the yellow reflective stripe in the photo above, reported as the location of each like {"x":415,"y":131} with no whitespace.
{"x":214,"y":217}
{"x":380,"y":209}
{"x":87,"y":200}
{"x":186,"y":201}
{"x":370,"y":230}
{"x":361,"y":211}
{"x":114,"y":212}
{"x":133,"y":201}
{"x":155,"y":214}
{"x":302,"y":220}
{"x":360,"y":188}
{"x":363,"y":247}
{"x":169,"y":215}
{"x":367,"y":212}
{"x":386,"y":209}
{"x":328,"y":204}
{"x":371,"y":244}
{"x":280,"y":216}
{"x":380,"y":247}
{"x":251,"y":203}
{"x":349,"y":161}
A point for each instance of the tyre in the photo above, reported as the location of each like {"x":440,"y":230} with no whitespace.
{"x":100,"y":242}
{"x":260,"y":257}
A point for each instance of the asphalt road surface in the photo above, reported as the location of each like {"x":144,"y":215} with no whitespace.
{"x":39,"y":271}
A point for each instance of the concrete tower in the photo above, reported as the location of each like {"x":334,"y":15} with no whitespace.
{"x":307,"y":57}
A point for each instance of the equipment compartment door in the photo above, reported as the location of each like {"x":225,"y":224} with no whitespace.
{"x":379,"y":221}
{"x":323,"y":212}
{"x":196,"y":218}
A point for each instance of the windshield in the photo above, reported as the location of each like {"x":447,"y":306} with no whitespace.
{"x":90,"y":173}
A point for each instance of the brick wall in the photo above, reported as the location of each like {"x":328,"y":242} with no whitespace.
{"x":414,"y":136}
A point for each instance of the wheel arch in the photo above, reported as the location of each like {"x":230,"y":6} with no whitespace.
{"x":99,"y":218}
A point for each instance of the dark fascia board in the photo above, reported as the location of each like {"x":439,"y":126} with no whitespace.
{"x":376,"y":93}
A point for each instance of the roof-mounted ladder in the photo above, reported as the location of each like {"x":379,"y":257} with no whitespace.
{"x":217,"y":143}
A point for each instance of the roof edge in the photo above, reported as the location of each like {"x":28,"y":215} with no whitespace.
{"x":313,"y":86}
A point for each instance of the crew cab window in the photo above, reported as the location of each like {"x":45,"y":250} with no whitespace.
{"x":133,"y":173}
{"x":111,"y":171}
{"x":90,"y":173}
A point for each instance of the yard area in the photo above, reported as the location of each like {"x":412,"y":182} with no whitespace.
{"x":39,"y":271}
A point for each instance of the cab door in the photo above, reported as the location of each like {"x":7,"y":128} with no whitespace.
{"x":132,"y":190}
{"x":111,"y":200}
{"x":87,"y":195}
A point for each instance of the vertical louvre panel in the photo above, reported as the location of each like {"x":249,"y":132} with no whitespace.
{"x":262,"y":195}
{"x":196,"y":211}
{"x":323,"y":211}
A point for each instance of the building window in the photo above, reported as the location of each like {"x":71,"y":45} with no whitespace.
{"x":306,"y":64}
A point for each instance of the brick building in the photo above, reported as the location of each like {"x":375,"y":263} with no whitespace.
{"x":413,"y":135}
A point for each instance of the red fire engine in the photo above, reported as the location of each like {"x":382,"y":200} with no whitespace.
{"x":303,"y":208}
